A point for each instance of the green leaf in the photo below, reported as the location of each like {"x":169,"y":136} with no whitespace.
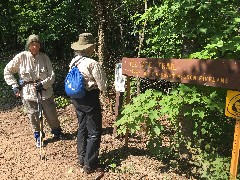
{"x":154,"y":115}
{"x":203,"y":30}
{"x":237,"y":20}
{"x":203,"y":131}
{"x":157,"y":130}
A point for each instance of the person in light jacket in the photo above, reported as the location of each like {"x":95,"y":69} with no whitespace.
{"x":36,"y":74}
{"x":88,"y":108}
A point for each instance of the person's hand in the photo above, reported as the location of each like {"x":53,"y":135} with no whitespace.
{"x":21,"y":82}
{"x":38,"y":86}
{"x":16,"y":91}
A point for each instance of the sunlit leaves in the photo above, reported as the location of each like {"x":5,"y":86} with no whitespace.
{"x":172,"y":25}
{"x":237,"y":20}
{"x":143,"y":109}
{"x":61,"y":102}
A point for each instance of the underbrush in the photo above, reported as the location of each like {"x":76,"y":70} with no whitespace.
{"x":7,"y":98}
{"x":187,"y":129}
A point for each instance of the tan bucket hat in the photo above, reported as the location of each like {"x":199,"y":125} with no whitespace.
{"x":85,"y":41}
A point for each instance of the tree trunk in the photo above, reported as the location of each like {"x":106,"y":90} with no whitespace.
{"x":141,"y":39}
{"x":100,"y":12}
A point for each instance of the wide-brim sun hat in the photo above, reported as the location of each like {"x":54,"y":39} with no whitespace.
{"x":85,"y":41}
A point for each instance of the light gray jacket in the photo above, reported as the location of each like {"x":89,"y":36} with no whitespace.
{"x":31,"y":68}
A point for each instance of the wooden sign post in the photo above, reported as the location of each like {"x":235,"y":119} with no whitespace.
{"x":233,"y":110}
{"x":216,"y":73}
{"x":235,"y":151}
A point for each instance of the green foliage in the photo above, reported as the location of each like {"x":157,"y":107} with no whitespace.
{"x":189,"y":28}
{"x":206,"y":128}
{"x":193,"y":102}
{"x":7,"y":98}
{"x":143,"y":109}
{"x":61,"y":102}
{"x":215,"y":166}
{"x":57,"y":23}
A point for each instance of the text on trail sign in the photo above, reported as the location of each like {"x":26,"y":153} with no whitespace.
{"x":216,"y":73}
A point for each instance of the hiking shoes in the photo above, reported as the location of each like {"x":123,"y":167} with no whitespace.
{"x":80,"y":164}
{"x":88,"y":170}
{"x":60,"y":136}
{"x":38,"y":142}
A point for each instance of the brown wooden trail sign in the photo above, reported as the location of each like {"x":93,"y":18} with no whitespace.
{"x":216,"y":73}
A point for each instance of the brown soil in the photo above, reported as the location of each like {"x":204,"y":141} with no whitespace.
{"x":21,"y":160}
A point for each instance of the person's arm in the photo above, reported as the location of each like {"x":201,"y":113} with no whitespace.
{"x":100,"y":77}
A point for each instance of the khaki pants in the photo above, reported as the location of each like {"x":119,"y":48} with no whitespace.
{"x":49,"y":111}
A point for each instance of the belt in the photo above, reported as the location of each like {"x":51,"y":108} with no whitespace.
{"x":22,"y":84}
{"x":29,"y":82}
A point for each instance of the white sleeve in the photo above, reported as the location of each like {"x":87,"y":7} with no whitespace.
{"x":100,"y":77}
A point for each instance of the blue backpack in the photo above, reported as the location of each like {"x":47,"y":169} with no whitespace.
{"x":74,"y":83}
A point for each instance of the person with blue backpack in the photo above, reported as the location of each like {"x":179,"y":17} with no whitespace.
{"x":36,"y":77}
{"x":89,"y":75}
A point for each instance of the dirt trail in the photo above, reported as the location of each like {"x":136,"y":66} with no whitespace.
{"x":20,"y":159}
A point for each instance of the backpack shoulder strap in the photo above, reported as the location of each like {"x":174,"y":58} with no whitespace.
{"x":75,"y":61}
{"x":79,"y":60}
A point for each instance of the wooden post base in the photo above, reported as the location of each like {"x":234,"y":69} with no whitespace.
{"x":235,"y":151}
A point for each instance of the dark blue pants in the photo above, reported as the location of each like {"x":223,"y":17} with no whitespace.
{"x":89,"y":115}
